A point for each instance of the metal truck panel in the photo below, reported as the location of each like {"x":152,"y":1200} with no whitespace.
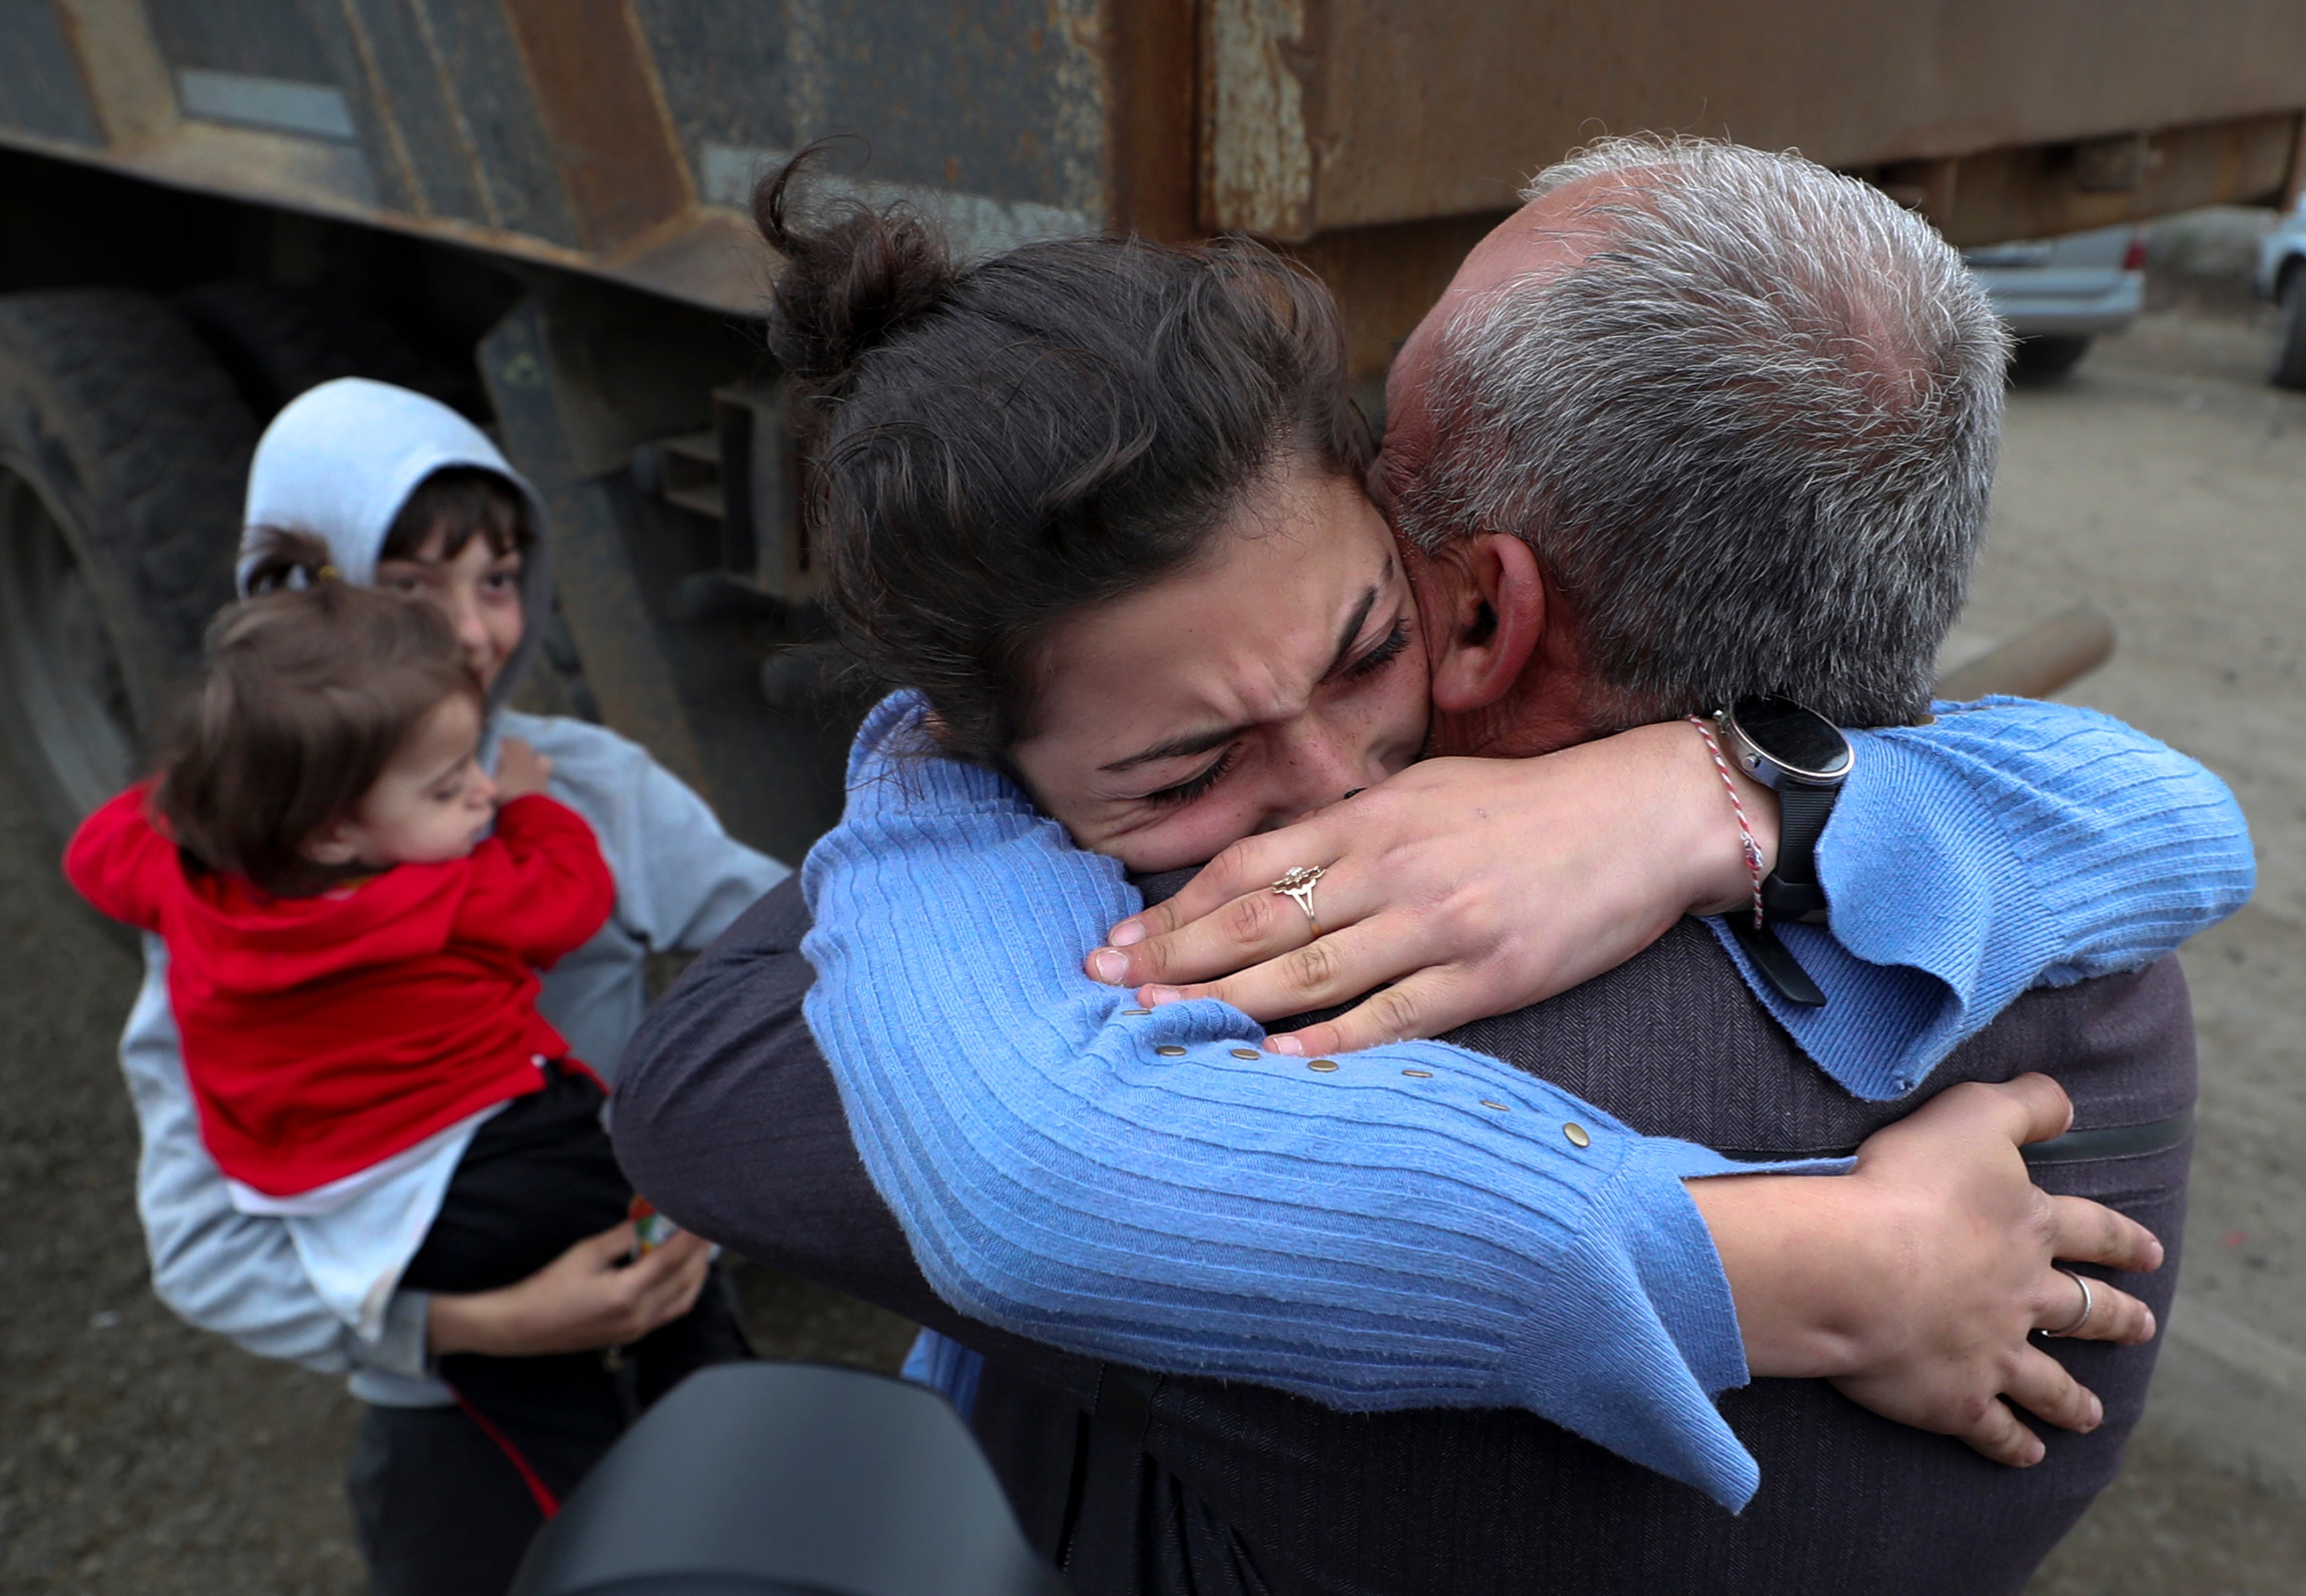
{"x":40,"y":89}
{"x":620,"y":137}
{"x":1327,"y":114}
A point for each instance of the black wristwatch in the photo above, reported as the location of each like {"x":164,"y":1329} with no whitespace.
{"x":1804,"y":758}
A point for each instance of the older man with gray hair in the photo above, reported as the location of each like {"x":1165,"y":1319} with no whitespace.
{"x":1744,"y":411}
{"x":1697,"y":427}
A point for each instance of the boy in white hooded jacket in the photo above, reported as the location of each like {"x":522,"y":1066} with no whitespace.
{"x":444,"y":1506}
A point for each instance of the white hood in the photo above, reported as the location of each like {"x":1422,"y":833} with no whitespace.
{"x":340,"y":461}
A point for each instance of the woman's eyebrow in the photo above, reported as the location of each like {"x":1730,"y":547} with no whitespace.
{"x":1202,"y":742}
{"x":1175,"y":748}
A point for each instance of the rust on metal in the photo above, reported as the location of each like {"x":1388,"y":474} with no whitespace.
{"x":1375,"y":133}
{"x":120,"y":63}
{"x":2041,"y":189}
{"x":1356,"y":112}
{"x":1385,"y":279}
{"x":1257,"y":147}
{"x":598,"y":98}
{"x":1151,"y":129}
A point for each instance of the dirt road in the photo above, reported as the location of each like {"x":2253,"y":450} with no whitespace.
{"x":2164,"y":482}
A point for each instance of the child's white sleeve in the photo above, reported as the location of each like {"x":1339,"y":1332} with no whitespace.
{"x":681,"y":879}
{"x":235,"y":1273}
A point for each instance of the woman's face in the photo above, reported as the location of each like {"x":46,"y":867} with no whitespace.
{"x":1276,"y":674}
{"x":477,"y":589}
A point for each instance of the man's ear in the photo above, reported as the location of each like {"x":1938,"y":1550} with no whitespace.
{"x":1496,"y":616}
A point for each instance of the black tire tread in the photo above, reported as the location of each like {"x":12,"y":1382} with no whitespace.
{"x":276,"y":341}
{"x":163,"y":428}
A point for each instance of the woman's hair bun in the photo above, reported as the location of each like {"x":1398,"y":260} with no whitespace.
{"x":854,"y":275}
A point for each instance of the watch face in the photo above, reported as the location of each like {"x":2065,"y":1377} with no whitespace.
{"x":1800,"y":741}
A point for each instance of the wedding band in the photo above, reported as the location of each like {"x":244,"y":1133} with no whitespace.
{"x":2090,"y":1306}
{"x":1297,"y":886}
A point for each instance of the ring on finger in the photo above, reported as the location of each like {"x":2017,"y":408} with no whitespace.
{"x":2090,"y":1306}
{"x":1297,"y":886}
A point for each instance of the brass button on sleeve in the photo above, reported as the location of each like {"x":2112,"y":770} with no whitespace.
{"x":1325,"y":1065}
{"x":1576,"y":1134}
{"x":1246,"y":1052}
{"x":1137,"y":1011}
{"x":1419,"y":1074}
{"x":1170,"y":1050}
{"x":1500,"y":1107}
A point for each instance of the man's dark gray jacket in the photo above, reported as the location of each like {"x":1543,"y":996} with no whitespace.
{"x":727,"y":1118}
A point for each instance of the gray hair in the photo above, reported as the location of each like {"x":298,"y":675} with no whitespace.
{"x":1751,"y":436}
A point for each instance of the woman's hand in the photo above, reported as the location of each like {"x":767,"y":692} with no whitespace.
{"x":1463,"y":887}
{"x":586,"y":1299}
{"x":1914,"y":1282}
{"x":521,"y":771}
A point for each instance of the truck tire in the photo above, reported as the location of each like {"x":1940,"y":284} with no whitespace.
{"x":2289,"y":368}
{"x":276,"y":341}
{"x":123,"y":454}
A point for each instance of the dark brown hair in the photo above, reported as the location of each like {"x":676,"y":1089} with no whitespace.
{"x":996,"y":448}
{"x":462,"y":502}
{"x":308,"y":694}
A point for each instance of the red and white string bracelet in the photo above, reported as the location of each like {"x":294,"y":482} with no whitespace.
{"x":1745,"y":826}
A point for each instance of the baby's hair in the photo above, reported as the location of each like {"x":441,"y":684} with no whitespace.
{"x":311,"y":689}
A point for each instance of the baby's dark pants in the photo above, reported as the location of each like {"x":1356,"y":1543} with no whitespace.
{"x":447,"y":1498}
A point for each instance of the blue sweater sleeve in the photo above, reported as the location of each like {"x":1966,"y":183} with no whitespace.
{"x":1415,"y":1226}
{"x":2008,"y":844}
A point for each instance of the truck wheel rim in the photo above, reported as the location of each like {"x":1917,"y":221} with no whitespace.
{"x":70,"y":699}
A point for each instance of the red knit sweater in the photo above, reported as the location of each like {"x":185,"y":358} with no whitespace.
{"x":322,"y":1035}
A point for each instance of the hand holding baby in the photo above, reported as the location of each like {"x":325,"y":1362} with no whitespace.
{"x":521,"y":771}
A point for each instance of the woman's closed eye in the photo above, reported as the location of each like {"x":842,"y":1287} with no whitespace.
{"x":1193,"y":786}
{"x":1383,"y":655}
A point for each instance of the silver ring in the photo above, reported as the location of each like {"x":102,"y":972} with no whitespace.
{"x":1297,"y":886}
{"x":2090,"y":1306}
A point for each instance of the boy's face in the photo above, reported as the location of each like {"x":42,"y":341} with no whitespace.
{"x":432,"y":804}
{"x":477,"y":589}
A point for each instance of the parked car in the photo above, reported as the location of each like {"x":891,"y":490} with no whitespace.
{"x":2058,"y":293}
{"x":2282,"y":278}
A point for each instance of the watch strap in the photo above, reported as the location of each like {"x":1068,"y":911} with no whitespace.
{"x":1775,"y":963}
{"x":1792,"y":892}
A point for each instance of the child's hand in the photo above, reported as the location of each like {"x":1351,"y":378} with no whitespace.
{"x":521,"y":770}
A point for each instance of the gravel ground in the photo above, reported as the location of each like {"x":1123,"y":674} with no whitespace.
{"x":139,"y":1455}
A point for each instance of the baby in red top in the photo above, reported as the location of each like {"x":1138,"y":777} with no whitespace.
{"x":352,"y":954}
